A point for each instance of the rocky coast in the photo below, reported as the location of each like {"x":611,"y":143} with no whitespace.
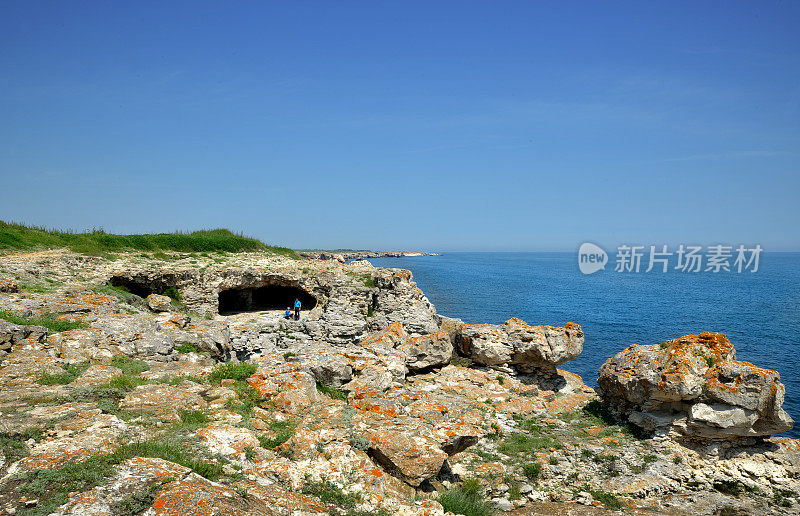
{"x":172,"y":384}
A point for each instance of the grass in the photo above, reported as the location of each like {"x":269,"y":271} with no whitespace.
{"x":130,"y":366}
{"x":330,"y":493}
{"x":186,"y":348}
{"x":69,"y":374}
{"x":465,"y":499}
{"x":522,"y":443}
{"x":172,"y":450}
{"x":610,"y":500}
{"x":332,"y":392}
{"x":246,"y":398}
{"x":119,"y":291}
{"x":193,"y":419}
{"x":283,"y":432}
{"x":48,"y":320}
{"x":229,"y":371}
{"x":532,"y":470}
{"x":14,"y":236}
{"x":13,"y":446}
{"x":136,"y":503}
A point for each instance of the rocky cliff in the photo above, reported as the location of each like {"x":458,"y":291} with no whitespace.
{"x":136,"y":384}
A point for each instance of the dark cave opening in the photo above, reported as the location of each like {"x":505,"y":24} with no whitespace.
{"x":139,"y":287}
{"x":269,"y":297}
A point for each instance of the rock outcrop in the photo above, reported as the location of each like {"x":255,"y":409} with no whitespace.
{"x":366,"y":405}
{"x":13,"y":334}
{"x":529,"y":349}
{"x":159,"y":303}
{"x":694,"y":387}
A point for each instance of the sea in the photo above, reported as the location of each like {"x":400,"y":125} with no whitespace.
{"x":758,"y":311}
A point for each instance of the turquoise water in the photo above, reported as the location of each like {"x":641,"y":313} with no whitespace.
{"x":759,"y":312}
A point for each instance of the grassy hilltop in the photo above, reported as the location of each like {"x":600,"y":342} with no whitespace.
{"x":15,"y":237}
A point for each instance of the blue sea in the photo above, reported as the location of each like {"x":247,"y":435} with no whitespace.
{"x":759,"y":312}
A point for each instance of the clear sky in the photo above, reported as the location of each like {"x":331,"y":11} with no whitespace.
{"x":419,"y":125}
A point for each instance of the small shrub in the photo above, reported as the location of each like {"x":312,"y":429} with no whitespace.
{"x":249,"y":453}
{"x":465,"y":499}
{"x":553,"y":461}
{"x":599,"y":413}
{"x":288,"y":355}
{"x":358,"y":442}
{"x":677,"y":459}
{"x":231,"y":371}
{"x":283,"y":432}
{"x":332,"y":392}
{"x":70,"y":373}
{"x":126,"y":383}
{"x":711,"y":361}
{"x":173,"y":294}
{"x":136,"y":503}
{"x":330,"y":493}
{"x":532,"y":470}
{"x":610,"y":500}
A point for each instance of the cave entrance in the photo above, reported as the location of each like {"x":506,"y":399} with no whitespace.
{"x":257,"y":299}
{"x":137,"y":286}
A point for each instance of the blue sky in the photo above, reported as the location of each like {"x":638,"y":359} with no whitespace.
{"x":417,"y":125}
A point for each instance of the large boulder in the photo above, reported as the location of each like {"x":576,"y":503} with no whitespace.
{"x":159,"y":303}
{"x":530,"y":349}
{"x":14,"y":334}
{"x":693,"y":386}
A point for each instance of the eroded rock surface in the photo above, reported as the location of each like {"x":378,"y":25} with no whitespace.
{"x":357,"y":408}
{"x":694,"y":386}
{"x":530,"y":349}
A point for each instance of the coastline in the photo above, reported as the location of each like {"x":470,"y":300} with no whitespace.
{"x":371,"y":386}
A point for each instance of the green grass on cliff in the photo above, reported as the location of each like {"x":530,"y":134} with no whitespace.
{"x":52,"y":322}
{"x":15,"y":237}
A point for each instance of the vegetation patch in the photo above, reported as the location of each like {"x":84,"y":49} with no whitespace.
{"x":229,"y":371}
{"x":186,"y":348}
{"x":97,"y":242}
{"x":332,"y":392}
{"x":69,"y":374}
{"x":130,"y":366}
{"x":330,"y":493}
{"x":283,"y":431}
{"x":610,"y":500}
{"x":193,"y":419}
{"x":465,"y":499}
{"x":520,"y":443}
{"x":136,"y":503}
{"x":52,"y":322}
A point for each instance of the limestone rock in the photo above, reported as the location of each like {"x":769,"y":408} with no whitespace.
{"x":161,"y":398}
{"x":426,"y":351}
{"x":14,"y":334}
{"x":529,"y":349}
{"x":159,"y":303}
{"x":694,"y":386}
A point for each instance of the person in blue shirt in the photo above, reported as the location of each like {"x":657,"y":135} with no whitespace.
{"x":297,"y":309}
{"x":288,"y":313}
